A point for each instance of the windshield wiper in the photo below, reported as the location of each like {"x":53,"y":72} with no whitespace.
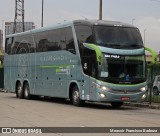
{"x":110,"y":44}
{"x":134,"y":45}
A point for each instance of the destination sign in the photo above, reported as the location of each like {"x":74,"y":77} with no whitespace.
{"x":113,"y":56}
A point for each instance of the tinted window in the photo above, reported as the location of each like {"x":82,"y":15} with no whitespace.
{"x":8,"y":44}
{"x":118,"y":37}
{"x":55,"y":40}
{"x":70,"y":46}
{"x":50,"y":40}
{"x":84,"y":34}
{"x":23,"y":44}
{"x":88,"y":57}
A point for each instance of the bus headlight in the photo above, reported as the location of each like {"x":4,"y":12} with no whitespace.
{"x":102,"y":95}
{"x":104,"y":88}
{"x":143,"y":89}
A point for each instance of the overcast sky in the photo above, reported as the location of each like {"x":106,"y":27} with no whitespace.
{"x":144,"y":13}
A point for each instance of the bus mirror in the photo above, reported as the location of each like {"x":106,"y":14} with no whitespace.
{"x":154,"y":55}
{"x":94,"y":47}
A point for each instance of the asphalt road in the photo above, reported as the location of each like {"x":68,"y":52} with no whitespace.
{"x":40,"y":112}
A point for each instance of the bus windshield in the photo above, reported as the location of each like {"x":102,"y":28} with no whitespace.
{"x":117,"y":37}
{"x":122,"y":69}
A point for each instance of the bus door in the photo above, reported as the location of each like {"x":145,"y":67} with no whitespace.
{"x":89,"y":65}
{"x":85,"y":79}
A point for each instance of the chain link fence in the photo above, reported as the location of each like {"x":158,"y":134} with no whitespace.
{"x":153,"y":79}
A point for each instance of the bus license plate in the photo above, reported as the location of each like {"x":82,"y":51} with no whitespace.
{"x":125,"y":98}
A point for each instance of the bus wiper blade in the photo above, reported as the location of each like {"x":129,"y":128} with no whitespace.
{"x":112,"y":45}
{"x":134,"y":45}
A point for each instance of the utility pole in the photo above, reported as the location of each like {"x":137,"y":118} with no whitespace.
{"x":19,"y":16}
{"x":133,"y":21}
{"x":100,"y":9}
{"x":42,"y":12}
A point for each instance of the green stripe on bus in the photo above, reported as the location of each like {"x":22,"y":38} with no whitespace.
{"x":58,"y":70}
{"x":48,"y":66}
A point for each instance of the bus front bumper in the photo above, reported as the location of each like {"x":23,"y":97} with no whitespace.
{"x":103,"y":96}
{"x":106,"y":97}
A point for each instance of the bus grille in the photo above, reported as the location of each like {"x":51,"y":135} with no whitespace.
{"x":124,"y":91}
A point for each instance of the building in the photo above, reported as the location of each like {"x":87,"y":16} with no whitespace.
{"x":9,"y":27}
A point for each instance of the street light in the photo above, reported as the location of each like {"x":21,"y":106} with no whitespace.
{"x":42,"y":13}
{"x":145,"y":36}
{"x":100,"y":9}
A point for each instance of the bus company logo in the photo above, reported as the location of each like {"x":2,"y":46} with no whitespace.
{"x":6,"y":130}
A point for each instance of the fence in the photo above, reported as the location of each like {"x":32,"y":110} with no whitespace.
{"x":153,"y":94}
{"x":1,"y":76}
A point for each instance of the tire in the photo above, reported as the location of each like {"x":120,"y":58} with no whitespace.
{"x":76,"y":97}
{"x":26,"y":91}
{"x":19,"y":91}
{"x":155,"y":91}
{"x":116,"y":104}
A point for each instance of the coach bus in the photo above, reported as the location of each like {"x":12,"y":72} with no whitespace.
{"x":81,"y":60}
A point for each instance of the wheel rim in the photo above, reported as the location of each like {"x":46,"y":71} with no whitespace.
{"x":76,"y":96}
{"x":26,"y":92}
{"x":19,"y":89}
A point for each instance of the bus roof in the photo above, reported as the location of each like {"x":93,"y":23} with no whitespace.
{"x":75,"y":22}
{"x":101,"y":22}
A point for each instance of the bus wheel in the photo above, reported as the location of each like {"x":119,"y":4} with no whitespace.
{"x":26,"y":91}
{"x":116,"y":104}
{"x":19,"y":91}
{"x":76,"y":97}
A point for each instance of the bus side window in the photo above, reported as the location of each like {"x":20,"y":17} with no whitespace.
{"x":70,"y":46}
{"x":9,"y":42}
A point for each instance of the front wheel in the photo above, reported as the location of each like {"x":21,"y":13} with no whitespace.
{"x":76,"y":97}
{"x":116,"y":104}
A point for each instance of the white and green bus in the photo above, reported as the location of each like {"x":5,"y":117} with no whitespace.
{"x":82,"y":60}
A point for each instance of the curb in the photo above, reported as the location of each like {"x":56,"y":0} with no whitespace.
{"x":144,"y":105}
{"x":154,"y":106}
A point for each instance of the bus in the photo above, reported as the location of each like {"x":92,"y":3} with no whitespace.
{"x":1,"y":70}
{"x":80,"y":60}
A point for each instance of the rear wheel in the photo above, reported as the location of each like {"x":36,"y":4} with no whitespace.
{"x":19,"y":91}
{"x":116,"y":104}
{"x":76,"y":97}
{"x":26,"y":91}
